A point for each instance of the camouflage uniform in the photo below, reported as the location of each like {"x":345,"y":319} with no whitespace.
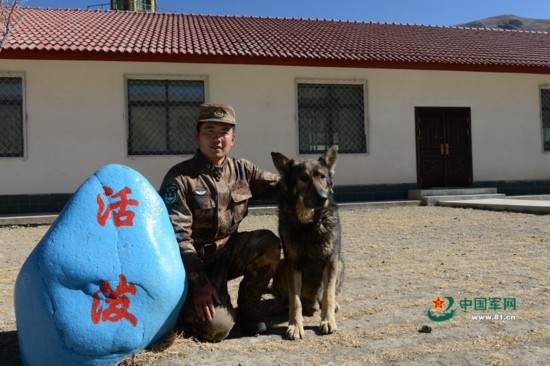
{"x":206,"y":203}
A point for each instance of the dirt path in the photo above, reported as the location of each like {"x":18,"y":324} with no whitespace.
{"x":398,"y":260}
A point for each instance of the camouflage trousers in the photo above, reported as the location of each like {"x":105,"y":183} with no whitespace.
{"x":253,"y":255}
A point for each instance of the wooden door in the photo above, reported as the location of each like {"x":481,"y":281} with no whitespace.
{"x":443,"y":147}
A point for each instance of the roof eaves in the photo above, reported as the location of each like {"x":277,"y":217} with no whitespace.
{"x":91,"y":54}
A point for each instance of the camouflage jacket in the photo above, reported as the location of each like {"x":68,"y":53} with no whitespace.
{"x":206,"y":204}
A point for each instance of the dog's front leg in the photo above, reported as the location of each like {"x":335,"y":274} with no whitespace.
{"x":295,"y":328}
{"x":328,"y":318}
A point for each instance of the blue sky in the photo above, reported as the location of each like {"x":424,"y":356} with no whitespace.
{"x":433,"y":12}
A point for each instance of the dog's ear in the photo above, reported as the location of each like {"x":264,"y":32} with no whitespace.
{"x":329,"y":158}
{"x":281,"y":162}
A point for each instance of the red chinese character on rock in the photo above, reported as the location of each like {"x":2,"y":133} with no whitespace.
{"x":118,"y":303}
{"x":121,"y":216}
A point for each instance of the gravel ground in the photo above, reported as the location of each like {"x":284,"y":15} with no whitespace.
{"x":398,"y":260}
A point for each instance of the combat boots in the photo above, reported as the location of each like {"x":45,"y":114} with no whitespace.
{"x":251,"y":321}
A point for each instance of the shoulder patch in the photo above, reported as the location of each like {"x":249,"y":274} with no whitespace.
{"x":171,"y":194}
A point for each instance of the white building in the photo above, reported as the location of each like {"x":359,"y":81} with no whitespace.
{"x":409,"y":106}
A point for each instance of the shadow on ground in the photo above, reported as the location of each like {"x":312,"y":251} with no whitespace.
{"x":9,"y":349}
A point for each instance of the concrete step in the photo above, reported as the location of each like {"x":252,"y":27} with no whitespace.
{"x":435,"y":200}
{"x":417,"y":194}
{"x":531,"y":206}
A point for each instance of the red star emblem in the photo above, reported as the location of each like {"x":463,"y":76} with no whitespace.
{"x":438,"y":303}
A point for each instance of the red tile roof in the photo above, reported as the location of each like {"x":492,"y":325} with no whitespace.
{"x":74,"y":34}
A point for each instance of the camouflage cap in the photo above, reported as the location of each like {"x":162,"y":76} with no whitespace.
{"x":217,"y":113}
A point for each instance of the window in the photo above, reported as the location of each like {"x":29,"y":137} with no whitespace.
{"x":162,"y":115}
{"x":11,"y":117}
{"x":545,"y":115}
{"x":331,"y":114}
{"x":134,"y":5}
{"x":149,"y":5}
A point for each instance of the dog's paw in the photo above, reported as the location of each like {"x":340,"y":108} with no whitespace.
{"x":328,"y":326}
{"x":295,"y":332}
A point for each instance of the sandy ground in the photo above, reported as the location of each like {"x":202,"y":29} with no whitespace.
{"x":398,"y":260}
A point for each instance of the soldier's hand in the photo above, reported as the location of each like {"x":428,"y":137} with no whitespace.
{"x":205,"y":299}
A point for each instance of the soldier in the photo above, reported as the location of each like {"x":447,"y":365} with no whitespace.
{"x":207,"y":197}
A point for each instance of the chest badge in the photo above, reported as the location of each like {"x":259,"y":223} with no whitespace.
{"x":200,"y":192}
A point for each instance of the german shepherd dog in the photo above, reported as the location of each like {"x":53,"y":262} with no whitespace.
{"x":312,"y":270}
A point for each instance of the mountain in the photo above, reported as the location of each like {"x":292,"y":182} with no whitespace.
{"x":511,"y":22}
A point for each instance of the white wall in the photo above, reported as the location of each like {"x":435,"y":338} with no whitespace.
{"x":76,"y":120}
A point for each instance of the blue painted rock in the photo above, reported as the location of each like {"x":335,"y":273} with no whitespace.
{"x":106,"y":280}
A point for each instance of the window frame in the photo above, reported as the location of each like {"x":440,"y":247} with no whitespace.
{"x":22,"y":76}
{"x":162,"y":78}
{"x":327,"y":81}
{"x":542,"y":128}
